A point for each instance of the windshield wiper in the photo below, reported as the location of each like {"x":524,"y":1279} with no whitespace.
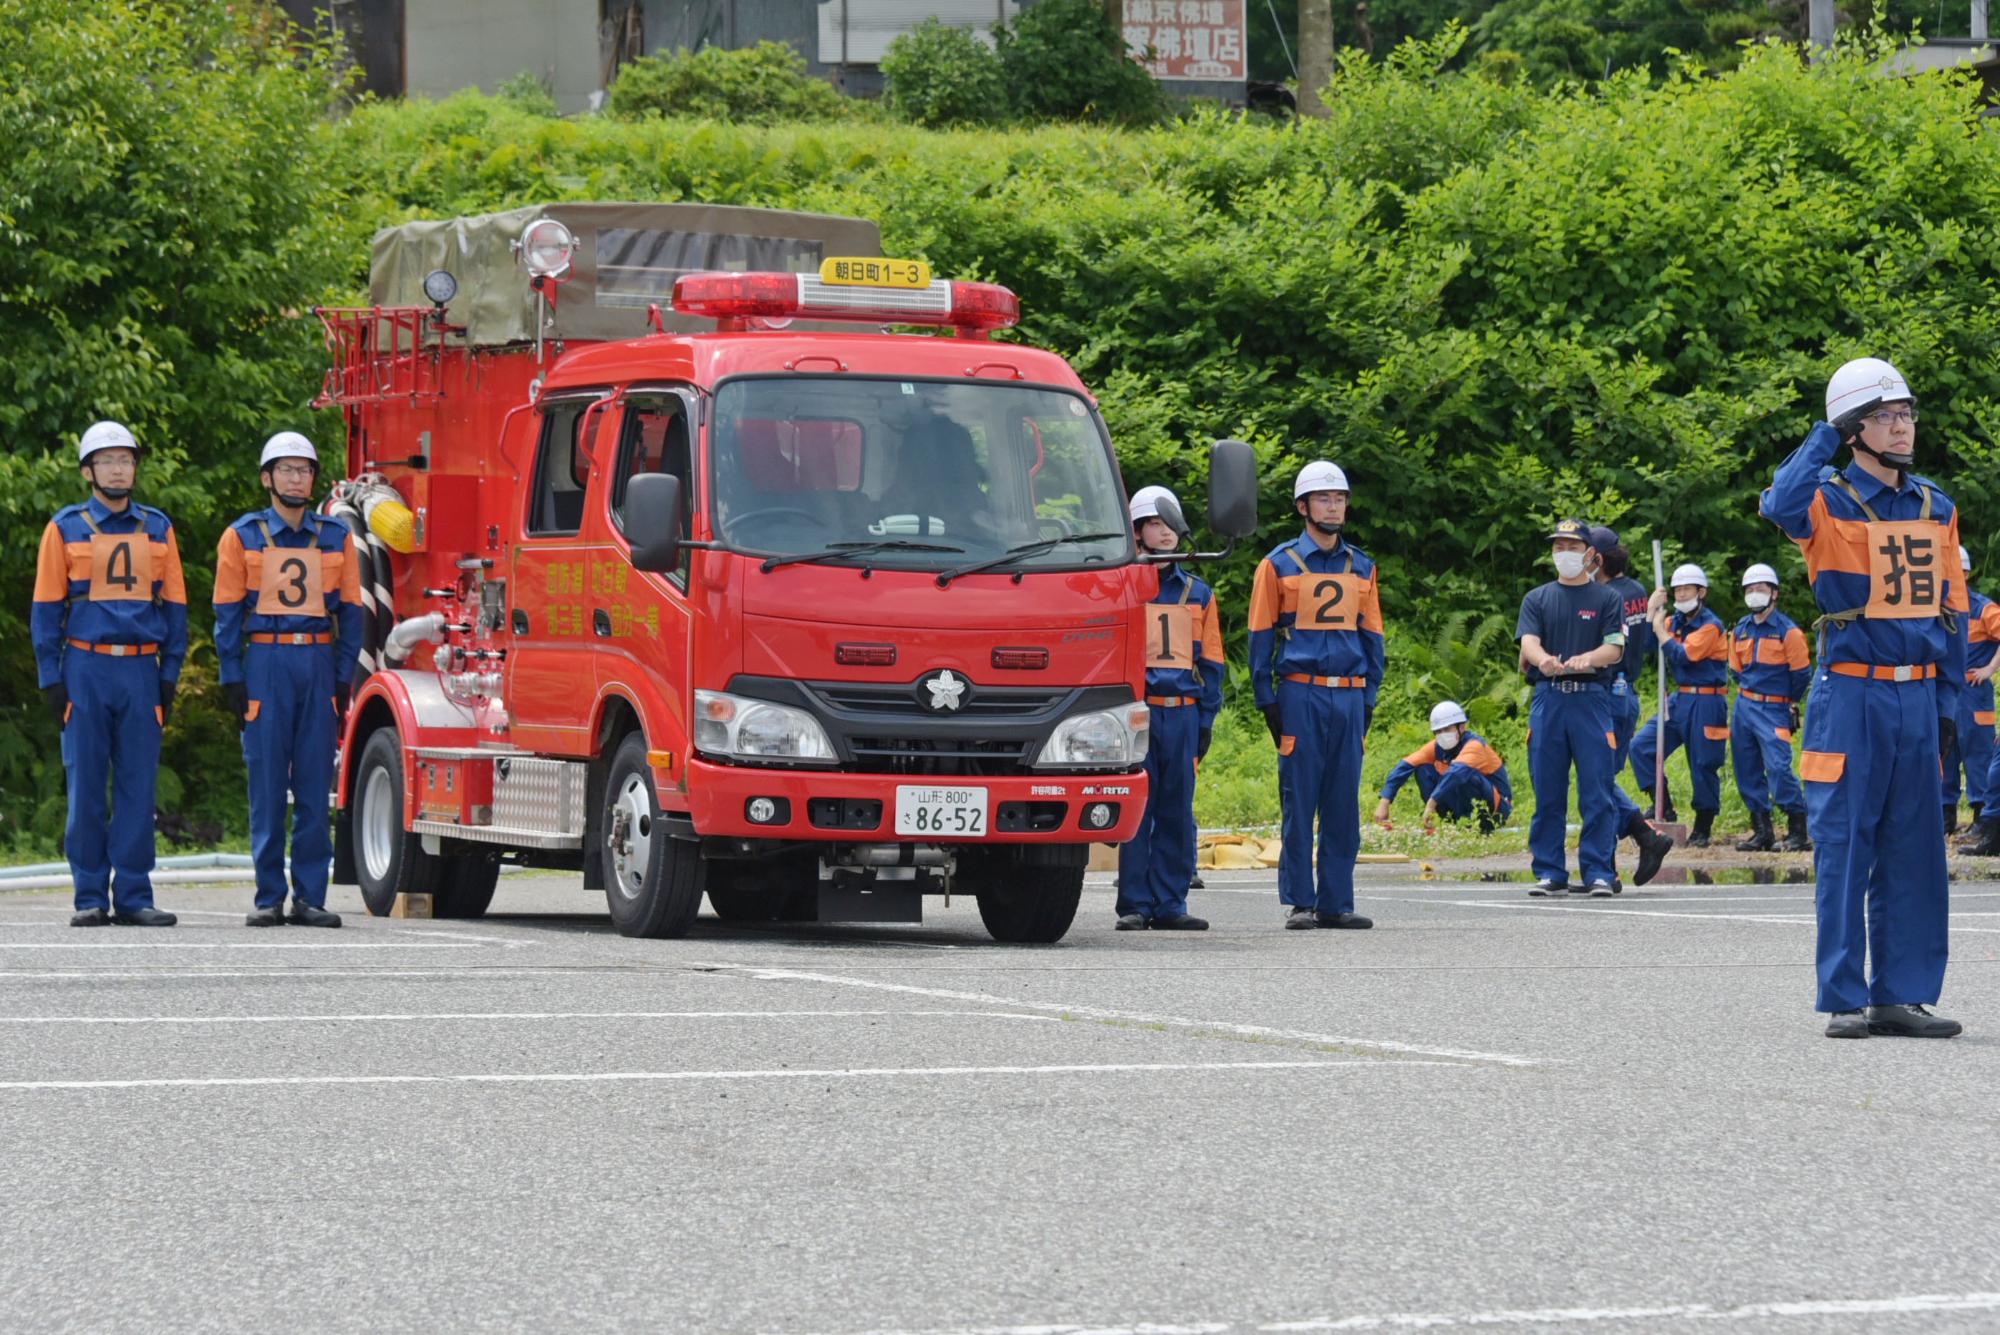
{"x":1016,"y":553}
{"x":840,"y":549}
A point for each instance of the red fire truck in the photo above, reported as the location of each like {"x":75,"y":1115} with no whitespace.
{"x":686,"y":573}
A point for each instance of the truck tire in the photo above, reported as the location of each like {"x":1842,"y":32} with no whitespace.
{"x":1027,"y":893}
{"x":465,"y":886}
{"x":652,"y":881}
{"x":388,"y":860}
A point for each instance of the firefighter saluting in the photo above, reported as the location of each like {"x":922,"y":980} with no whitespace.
{"x":287,"y":634}
{"x":1316,"y":660}
{"x":109,"y":627}
{"x":1184,"y":694}
{"x":1881,"y":549}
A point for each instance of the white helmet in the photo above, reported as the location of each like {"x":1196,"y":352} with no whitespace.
{"x":1757,"y":574}
{"x":287,"y":445}
{"x":1146,"y":503}
{"x":105,"y":436}
{"x":1445,"y":713}
{"x":1862,"y":383}
{"x":1964,"y":559}
{"x":1319,"y":475}
{"x":1690,"y":574}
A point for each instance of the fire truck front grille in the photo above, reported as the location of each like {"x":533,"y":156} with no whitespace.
{"x":928,"y":755}
{"x":889,"y":698}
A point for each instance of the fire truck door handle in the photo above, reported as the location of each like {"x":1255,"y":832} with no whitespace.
{"x":520,"y":622}
{"x":600,"y":621}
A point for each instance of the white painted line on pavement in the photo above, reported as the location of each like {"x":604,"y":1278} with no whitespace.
{"x":1554,"y":1316}
{"x":300,"y":973}
{"x":605,"y":1077}
{"x":1134,"y":1017}
{"x":519,"y":1015}
{"x":1603,"y":909}
{"x":1912,"y":1304}
{"x":235,"y":945}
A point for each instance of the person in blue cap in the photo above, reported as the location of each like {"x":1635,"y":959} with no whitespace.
{"x":1881,"y":550}
{"x":1458,"y":775}
{"x":1572,"y":637}
{"x":1611,"y":564}
{"x":1183,"y":695}
{"x":109,"y":630}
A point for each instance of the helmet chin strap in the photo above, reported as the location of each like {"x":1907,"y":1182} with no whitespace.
{"x":115,"y":493}
{"x":1324,"y":529}
{"x":1901,"y":463}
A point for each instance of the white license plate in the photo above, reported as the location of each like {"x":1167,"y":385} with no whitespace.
{"x":941,"y":813}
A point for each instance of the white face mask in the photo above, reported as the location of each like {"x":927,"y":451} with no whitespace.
{"x":1686,"y":605}
{"x":1757,"y":600}
{"x":1447,"y":739}
{"x":1569,"y":564}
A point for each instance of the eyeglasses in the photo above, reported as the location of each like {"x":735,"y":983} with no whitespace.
{"x":292,"y":470}
{"x":1907,"y":416}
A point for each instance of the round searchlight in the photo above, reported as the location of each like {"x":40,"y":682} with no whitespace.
{"x":547,"y":248}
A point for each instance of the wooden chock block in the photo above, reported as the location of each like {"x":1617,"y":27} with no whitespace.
{"x":411,"y":906}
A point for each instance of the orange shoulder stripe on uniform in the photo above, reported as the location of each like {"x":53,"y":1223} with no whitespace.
{"x":1987,"y":626}
{"x":230,"y":585}
{"x":1797,"y":655}
{"x":1423,"y":755}
{"x":1264,"y":596}
{"x":1705,"y":642}
{"x":1838,"y":545}
{"x":52,"y":567}
{"x":173,"y":587}
{"x":1211,"y":631}
{"x":1955,"y":599}
{"x":1370,"y":616}
{"x":1480,"y":756}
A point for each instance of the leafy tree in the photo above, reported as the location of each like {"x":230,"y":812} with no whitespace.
{"x":1065,"y":59}
{"x":165,"y":218}
{"x":943,"y":75}
{"x":759,"y":84}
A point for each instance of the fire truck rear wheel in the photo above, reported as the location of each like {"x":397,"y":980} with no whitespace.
{"x":464,"y":886}
{"x":1027,"y":892}
{"x":653,"y":881}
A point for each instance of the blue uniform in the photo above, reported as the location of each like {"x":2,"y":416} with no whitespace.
{"x":1470,"y":777}
{"x":1885,"y":569}
{"x":288,"y":626}
{"x":1973,"y":752}
{"x":1184,"y":693}
{"x":1697,"y":651}
{"x":1639,"y":645}
{"x":1570,"y":723}
{"x":109,"y":624}
{"x":1316,"y":651}
{"x":1770,"y":664}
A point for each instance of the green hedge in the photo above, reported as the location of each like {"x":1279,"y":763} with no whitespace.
{"x":1492,"y":305}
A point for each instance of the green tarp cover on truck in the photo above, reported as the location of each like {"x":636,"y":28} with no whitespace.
{"x":627,"y":257}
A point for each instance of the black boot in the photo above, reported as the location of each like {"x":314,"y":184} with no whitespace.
{"x":1698,"y":836}
{"x":1951,"y":818}
{"x":1795,"y":833}
{"x":1667,"y":812}
{"x":1986,"y":842}
{"x":1762,"y":838}
{"x":1653,"y":848}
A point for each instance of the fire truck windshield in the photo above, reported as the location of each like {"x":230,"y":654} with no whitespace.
{"x":959,"y":471}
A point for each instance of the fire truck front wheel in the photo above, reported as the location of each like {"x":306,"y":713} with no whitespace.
{"x":389,"y":860}
{"x":1026,"y":892}
{"x":653,"y":881}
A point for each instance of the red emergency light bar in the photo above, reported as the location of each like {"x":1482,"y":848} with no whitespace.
{"x":735,"y":298}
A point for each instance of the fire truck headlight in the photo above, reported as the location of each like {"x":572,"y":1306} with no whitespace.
{"x":1108,"y":737}
{"x":744,"y":729}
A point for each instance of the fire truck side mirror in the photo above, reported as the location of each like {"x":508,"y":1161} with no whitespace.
{"x":653,"y":521}
{"x":1232,"y":489}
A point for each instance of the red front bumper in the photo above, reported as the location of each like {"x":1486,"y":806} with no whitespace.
{"x":718,"y":797}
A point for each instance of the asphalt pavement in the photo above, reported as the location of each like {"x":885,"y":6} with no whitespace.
{"x":1491,"y":1111}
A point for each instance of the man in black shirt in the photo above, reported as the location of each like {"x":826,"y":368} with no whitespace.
{"x":1572,"y":634}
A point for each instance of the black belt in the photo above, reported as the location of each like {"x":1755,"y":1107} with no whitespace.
{"x":1569,"y":687}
